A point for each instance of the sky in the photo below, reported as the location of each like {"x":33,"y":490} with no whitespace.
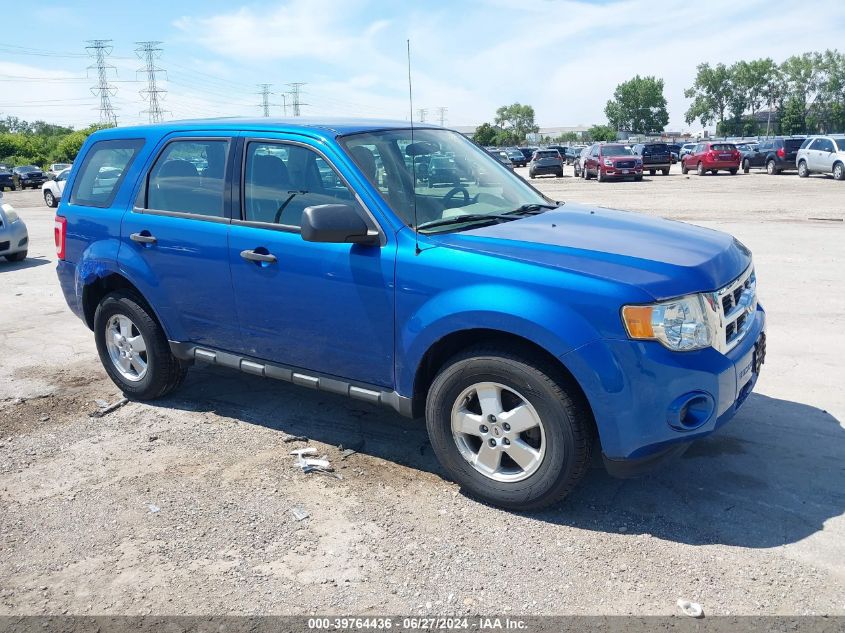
{"x":563,"y":57}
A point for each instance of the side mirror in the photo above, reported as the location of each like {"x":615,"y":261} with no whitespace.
{"x":337,"y":224}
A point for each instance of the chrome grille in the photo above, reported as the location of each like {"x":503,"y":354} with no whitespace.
{"x":625,"y":164}
{"x":735,"y":306}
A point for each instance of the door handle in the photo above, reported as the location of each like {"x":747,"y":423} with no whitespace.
{"x":258,"y":257}
{"x":143,"y":239}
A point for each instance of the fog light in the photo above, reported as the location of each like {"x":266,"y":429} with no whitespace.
{"x":691,"y":411}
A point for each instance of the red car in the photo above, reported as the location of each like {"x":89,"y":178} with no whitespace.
{"x":712,"y":157}
{"x":611,"y":160}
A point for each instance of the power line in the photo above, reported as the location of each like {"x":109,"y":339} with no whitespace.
{"x":295,"y":97}
{"x":265,"y":99}
{"x":148,"y":52}
{"x":422,"y":112}
{"x":99,"y":50}
{"x":441,"y":115}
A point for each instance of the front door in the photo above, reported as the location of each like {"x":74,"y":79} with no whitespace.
{"x":174,"y":243}
{"x":327,"y":308}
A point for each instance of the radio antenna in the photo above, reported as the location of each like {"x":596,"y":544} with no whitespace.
{"x":413,"y":158}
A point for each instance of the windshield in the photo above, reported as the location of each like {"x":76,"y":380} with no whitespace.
{"x":60,"y":166}
{"x":723,"y":147}
{"x":840,"y":144}
{"x":406,"y":172}
{"x":616,"y":150}
{"x":547,"y":154}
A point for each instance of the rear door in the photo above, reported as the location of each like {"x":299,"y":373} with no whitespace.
{"x":327,"y":308}
{"x":174,"y":243}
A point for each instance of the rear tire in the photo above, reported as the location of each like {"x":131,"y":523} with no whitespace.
{"x":651,"y":172}
{"x":733,"y":171}
{"x":162,"y":372}
{"x":665,"y":172}
{"x":746,"y":166}
{"x":803,"y":172}
{"x":555,"y":450}
{"x":50,"y":199}
{"x":699,"y":169}
{"x":771,"y":168}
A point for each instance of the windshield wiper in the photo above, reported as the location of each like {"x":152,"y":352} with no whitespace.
{"x":466,"y":217}
{"x":532,"y":209}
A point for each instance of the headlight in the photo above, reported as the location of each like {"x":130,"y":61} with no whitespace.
{"x":680,"y":325}
{"x":608,"y":162}
{"x":11,"y":216}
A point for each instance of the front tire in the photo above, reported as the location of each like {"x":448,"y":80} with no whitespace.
{"x":733,"y":171}
{"x":17,"y":257}
{"x":839,"y":171}
{"x":508,"y":428}
{"x":803,"y":172}
{"x":746,"y":166}
{"x":133,"y":348}
{"x":665,"y":172}
{"x":684,"y":168}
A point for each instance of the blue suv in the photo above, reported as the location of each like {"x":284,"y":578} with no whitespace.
{"x":525,"y":330}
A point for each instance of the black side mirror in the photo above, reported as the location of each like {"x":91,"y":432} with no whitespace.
{"x":337,"y":224}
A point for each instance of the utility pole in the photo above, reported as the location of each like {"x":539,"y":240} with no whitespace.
{"x":148,"y":52}
{"x":99,"y":50}
{"x":441,"y":114}
{"x":284,"y":103}
{"x":294,"y":93}
{"x":422,"y":112}
{"x":265,"y":99}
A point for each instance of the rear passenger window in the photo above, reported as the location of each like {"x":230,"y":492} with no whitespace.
{"x":102,"y":172}
{"x":188,"y":177}
{"x":281,"y":180}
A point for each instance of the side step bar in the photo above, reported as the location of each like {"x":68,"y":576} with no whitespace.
{"x":321,"y":382}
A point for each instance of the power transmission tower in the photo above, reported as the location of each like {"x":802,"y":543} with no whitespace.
{"x":422,"y":112}
{"x":441,"y":114}
{"x":149,"y":52}
{"x":99,"y":50}
{"x":294,"y":93}
{"x":265,"y":99}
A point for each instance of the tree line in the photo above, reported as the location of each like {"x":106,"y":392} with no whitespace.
{"x":803,"y":95}
{"x":39,"y":143}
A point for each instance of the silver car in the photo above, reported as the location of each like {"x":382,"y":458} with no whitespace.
{"x":14,"y":238}
{"x":822,"y":155}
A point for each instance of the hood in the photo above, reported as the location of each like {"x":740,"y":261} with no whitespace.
{"x":662,"y":257}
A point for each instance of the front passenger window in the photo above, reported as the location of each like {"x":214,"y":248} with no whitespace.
{"x":281,"y":180}
{"x":188,"y":177}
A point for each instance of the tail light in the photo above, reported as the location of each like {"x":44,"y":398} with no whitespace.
{"x":60,"y":234}
{"x":711,"y":156}
{"x":781,"y":152}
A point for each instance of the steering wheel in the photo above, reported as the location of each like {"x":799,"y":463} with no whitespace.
{"x":447,"y":198}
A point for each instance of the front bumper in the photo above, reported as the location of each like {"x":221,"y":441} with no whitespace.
{"x":621,"y":172}
{"x":14,"y":238}
{"x":635,"y":389}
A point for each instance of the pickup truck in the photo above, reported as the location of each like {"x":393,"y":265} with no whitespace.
{"x":527,"y":332}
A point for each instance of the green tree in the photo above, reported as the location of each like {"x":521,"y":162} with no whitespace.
{"x":485,"y":134}
{"x":600,"y":133}
{"x":710,"y":93}
{"x":800,"y":75}
{"x":638,"y":105}
{"x":567,"y":137}
{"x":517,"y":120}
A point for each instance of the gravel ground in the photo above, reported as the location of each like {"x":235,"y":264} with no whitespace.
{"x":184,"y":506}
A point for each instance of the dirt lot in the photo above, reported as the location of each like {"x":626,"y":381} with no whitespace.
{"x":184,"y":505}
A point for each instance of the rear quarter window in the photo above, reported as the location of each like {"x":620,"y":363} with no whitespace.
{"x":102,"y":172}
{"x":723,"y":147}
{"x":792,"y":144}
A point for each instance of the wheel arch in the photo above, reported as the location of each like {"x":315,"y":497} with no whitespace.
{"x":94,"y":291}
{"x":448,"y":346}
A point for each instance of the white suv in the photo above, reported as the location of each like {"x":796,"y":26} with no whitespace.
{"x":823,"y":155}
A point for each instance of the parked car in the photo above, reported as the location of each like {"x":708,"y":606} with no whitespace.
{"x":502,"y":157}
{"x":519,"y":329}
{"x":28,"y":176}
{"x":6,"y":179}
{"x":822,"y":155}
{"x":579,"y":160}
{"x":686,"y":148}
{"x":774,"y":155}
{"x":443,"y":171}
{"x":52,"y":189}
{"x":570,"y":154}
{"x":527,"y":152}
{"x":610,"y":161}
{"x":14,"y":238}
{"x":516,"y":157}
{"x":57,"y":168}
{"x":711,"y":157}
{"x":546,"y":162}
{"x":655,"y":156}
{"x":675,"y":150}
